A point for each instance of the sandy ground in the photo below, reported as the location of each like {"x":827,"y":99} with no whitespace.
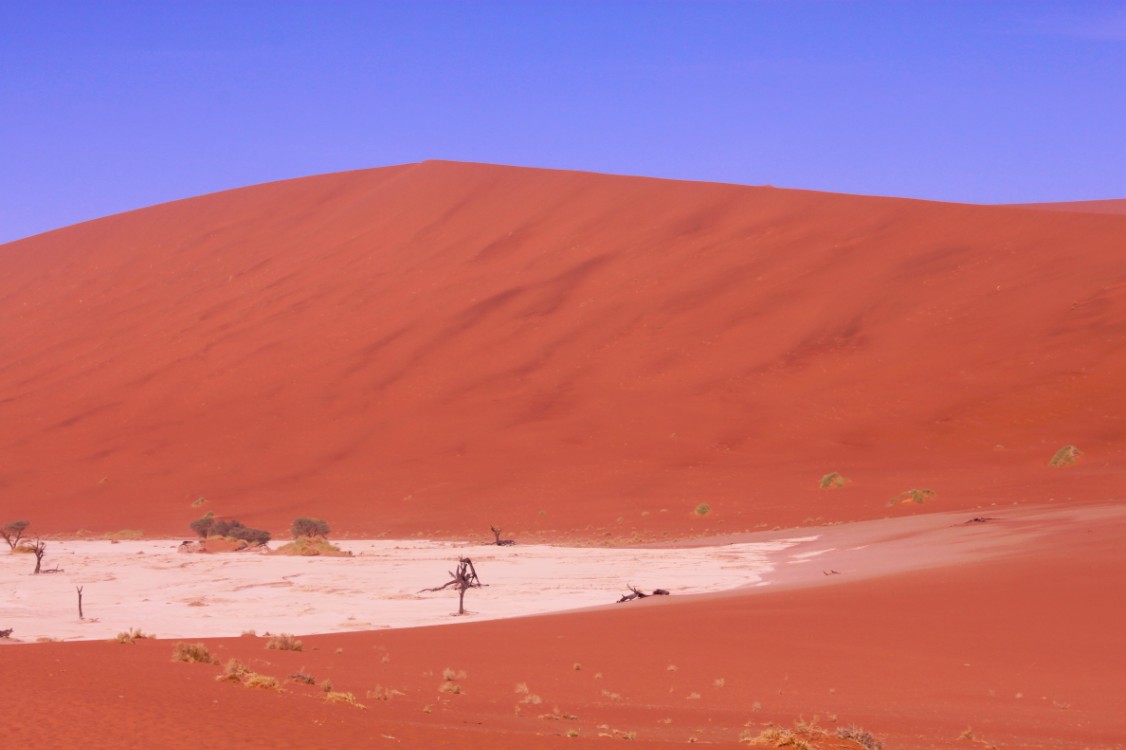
{"x":150,"y":586}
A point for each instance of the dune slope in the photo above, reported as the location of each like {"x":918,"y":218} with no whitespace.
{"x":435,"y":347}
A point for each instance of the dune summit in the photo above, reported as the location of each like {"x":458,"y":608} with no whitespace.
{"x":430,"y":348}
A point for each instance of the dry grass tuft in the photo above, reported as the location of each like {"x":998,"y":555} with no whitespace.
{"x":348,"y":698}
{"x":130,"y":636}
{"x":235,"y":671}
{"x":832,"y":481}
{"x":1065,"y":457}
{"x":777,"y":737}
{"x":381,"y":693}
{"x":913,"y":496}
{"x":192,"y":652}
{"x":261,"y":681}
{"x":859,"y":736}
{"x":284,"y":642}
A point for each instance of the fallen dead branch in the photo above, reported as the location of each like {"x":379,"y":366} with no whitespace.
{"x":638,"y":594}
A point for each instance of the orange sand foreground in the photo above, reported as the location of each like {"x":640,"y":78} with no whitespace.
{"x":420,"y":352}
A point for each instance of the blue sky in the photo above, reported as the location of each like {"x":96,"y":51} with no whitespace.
{"x":107,"y":106}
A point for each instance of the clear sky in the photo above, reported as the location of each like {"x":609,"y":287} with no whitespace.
{"x":107,"y":105}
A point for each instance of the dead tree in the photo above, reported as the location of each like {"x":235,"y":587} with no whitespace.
{"x":38,"y":549}
{"x":79,"y":590}
{"x":464,"y":578}
{"x":638,"y":594}
{"x":501,"y":542}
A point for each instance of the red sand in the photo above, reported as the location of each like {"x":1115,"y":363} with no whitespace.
{"x":432,"y":348}
{"x":1023,"y":648}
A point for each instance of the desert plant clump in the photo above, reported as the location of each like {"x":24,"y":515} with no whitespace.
{"x":284,"y":642}
{"x":192,"y":652}
{"x":913,"y":496}
{"x":832,"y":481}
{"x":262,"y":682}
{"x":381,"y":693}
{"x":703,"y":509}
{"x":235,"y":671}
{"x":12,"y":531}
{"x":449,"y":681}
{"x":309,"y":527}
{"x":335,"y":697}
{"x":777,"y":737}
{"x":311,"y":547}
{"x":202,"y":525}
{"x":859,"y":736}
{"x":1064,"y":457}
{"x":208,"y":526}
{"x":130,"y":636}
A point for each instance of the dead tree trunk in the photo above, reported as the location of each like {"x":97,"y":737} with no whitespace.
{"x":463,"y":579}
{"x":501,"y":542}
{"x":79,"y":589}
{"x":39,"y":548}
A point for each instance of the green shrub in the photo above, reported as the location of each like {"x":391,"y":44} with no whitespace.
{"x":703,"y":509}
{"x":202,"y":526}
{"x":309,"y":527}
{"x":208,"y":525}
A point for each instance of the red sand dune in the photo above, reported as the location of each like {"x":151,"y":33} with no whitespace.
{"x":432,"y":348}
{"x":435,"y":347}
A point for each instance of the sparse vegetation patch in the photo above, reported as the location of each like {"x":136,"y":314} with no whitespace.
{"x":284,"y":642}
{"x":192,"y":652}
{"x":832,"y":481}
{"x":913,"y":496}
{"x":1065,"y":456}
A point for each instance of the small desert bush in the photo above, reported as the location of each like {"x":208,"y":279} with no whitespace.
{"x":208,"y":525}
{"x":703,"y":509}
{"x":192,"y":652}
{"x":859,"y":736}
{"x":449,"y":684}
{"x":284,"y":642}
{"x":913,"y":496}
{"x":334,"y":697}
{"x":235,"y":671}
{"x":261,"y":681}
{"x":1065,"y":456}
{"x":832,"y":481}
{"x":776,"y":737}
{"x":131,"y":636}
{"x":311,"y":547}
